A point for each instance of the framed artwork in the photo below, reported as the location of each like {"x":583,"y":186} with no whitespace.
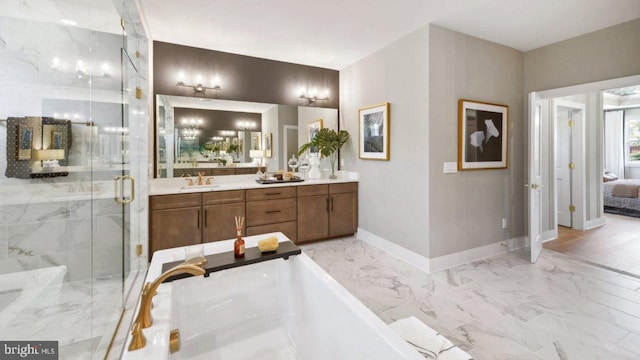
{"x":268,"y":138}
{"x":255,"y":143}
{"x":240,"y":146}
{"x":25,"y":142}
{"x":482,"y":135}
{"x":57,"y":139}
{"x":312,"y":129}
{"x":373,"y":131}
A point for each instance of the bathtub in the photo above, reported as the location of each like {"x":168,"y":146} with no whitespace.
{"x":278,"y":309}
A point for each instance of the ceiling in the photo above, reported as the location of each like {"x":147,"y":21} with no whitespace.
{"x":337,"y":33}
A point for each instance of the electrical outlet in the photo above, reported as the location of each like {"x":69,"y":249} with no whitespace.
{"x":504,"y":223}
{"x":341,"y":162}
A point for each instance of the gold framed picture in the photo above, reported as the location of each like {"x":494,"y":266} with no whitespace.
{"x":482,"y":135}
{"x":373,"y":131}
{"x":268,"y":143}
{"x":312,"y":129}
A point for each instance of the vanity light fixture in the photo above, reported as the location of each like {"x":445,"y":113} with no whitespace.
{"x":80,"y":69}
{"x":312,"y":95}
{"x":199,"y":87}
{"x":246,"y":125}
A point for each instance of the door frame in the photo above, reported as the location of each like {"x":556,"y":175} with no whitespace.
{"x":285,"y":160}
{"x":568,"y":91}
{"x":578,"y":177}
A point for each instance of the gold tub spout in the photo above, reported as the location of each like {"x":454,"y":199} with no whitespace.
{"x":144,"y":316}
{"x":144,"y":319}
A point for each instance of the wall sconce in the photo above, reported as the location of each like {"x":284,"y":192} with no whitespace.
{"x":312,"y":95}
{"x":246,"y":125}
{"x":199,"y":87}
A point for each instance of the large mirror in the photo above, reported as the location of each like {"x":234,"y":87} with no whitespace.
{"x":223,"y":137}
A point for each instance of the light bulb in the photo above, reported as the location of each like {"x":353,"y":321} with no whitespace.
{"x":314,"y":93}
{"x":55,"y":63}
{"x":198,"y":79}
{"x":302,"y":92}
{"x":216,"y":81}
{"x":106,"y":69}
{"x":181,"y":77}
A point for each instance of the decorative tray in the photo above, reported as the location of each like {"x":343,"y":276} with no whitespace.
{"x":274,"y":181}
{"x":227,"y":260}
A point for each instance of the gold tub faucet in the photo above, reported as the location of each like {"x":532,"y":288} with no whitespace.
{"x":144,"y":319}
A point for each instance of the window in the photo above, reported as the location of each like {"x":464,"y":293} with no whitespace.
{"x":632,"y":136}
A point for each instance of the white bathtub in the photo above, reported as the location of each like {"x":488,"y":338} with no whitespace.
{"x":278,"y":309}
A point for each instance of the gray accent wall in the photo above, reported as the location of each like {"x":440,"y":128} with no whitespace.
{"x":601,"y":55}
{"x":467,"y":208}
{"x":393,"y":195}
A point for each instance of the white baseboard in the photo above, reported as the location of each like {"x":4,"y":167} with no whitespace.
{"x":441,"y":262}
{"x":592,"y":224}
{"x":394,"y":249}
{"x":462,"y":257}
{"x":549,"y":235}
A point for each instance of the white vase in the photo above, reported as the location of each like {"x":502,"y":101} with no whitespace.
{"x":314,"y":172}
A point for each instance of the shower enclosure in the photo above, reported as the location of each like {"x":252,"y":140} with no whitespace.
{"x":73,"y":160}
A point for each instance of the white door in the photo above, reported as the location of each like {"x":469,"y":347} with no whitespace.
{"x":563,"y":159}
{"x":533,"y":187}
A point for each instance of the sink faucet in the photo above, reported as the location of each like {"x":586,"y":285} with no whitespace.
{"x":200,"y":176}
{"x":144,"y":319}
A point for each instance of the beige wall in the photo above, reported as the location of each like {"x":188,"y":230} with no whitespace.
{"x":605,"y":54}
{"x":467,"y":207}
{"x":393,"y":195}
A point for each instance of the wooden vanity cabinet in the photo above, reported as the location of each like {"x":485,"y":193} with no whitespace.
{"x":343,"y":209}
{"x":272,"y":209}
{"x":313,"y":212}
{"x":176,"y":220}
{"x":327,"y":211}
{"x":219,"y":211}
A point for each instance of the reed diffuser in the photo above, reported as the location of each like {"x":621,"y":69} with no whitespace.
{"x":238,"y":245}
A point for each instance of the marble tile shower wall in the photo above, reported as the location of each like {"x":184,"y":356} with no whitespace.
{"x":34,"y":236}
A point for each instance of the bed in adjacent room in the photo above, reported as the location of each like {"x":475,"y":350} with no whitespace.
{"x":622,"y":197}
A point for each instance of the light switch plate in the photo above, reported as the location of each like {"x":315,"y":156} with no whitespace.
{"x":450,"y":168}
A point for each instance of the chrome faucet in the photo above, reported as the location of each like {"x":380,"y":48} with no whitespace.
{"x":144,"y":319}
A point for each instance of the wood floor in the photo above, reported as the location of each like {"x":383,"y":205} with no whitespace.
{"x":615,"y":245}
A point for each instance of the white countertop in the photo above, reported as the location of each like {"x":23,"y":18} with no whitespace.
{"x":235,"y":182}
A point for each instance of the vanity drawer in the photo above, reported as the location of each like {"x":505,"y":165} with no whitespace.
{"x":175,"y":201}
{"x":271,"y":193}
{"x":223,"y":171}
{"x":310,"y":190}
{"x":289,"y":229}
{"x":223,"y":197}
{"x":343,"y":188}
{"x":245,"y":171}
{"x":271,"y":211}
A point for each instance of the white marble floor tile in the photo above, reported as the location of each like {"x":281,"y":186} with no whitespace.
{"x":631,"y":343}
{"x":502,"y":307}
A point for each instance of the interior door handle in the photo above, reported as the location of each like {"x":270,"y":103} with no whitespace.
{"x":533,"y":186}
{"x":116,"y":192}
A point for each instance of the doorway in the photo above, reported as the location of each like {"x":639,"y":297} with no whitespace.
{"x":542,"y":214}
{"x":615,"y":246}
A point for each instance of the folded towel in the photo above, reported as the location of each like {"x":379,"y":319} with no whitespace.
{"x":625,"y":190}
{"x":427,"y":341}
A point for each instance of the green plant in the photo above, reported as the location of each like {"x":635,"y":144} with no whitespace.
{"x":328,"y":142}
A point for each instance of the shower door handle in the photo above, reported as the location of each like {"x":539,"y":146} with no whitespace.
{"x":119,"y":190}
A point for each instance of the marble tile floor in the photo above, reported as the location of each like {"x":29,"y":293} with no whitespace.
{"x":76,"y":314}
{"x":502,"y":307}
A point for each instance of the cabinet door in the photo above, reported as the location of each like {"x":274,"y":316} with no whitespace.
{"x":313,"y":218}
{"x":343,"y":214}
{"x":175,"y":227}
{"x":219,"y":221}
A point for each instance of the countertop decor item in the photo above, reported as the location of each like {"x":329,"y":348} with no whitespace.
{"x":238,"y":245}
{"x":327,"y":142}
{"x":374,"y":136}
